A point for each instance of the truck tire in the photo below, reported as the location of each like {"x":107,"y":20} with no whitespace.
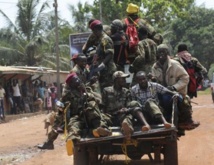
{"x":171,"y":153}
{"x":80,"y":156}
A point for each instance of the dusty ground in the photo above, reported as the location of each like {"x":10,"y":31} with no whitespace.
{"x":18,"y":139}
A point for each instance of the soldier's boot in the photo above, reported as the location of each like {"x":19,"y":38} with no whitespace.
{"x":48,"y":145}
{"x":140,"y":117}
{"x":127,"y":130}
{"x":101,"y":132}
{"x":185,"y":116}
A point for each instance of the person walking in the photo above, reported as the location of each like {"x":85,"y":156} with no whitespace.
{"x":2,"y":96}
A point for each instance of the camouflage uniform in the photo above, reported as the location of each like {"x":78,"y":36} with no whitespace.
{"x":146,"y":56}
{"x":82,"y":74}
{"x":115,"y":100}
{"x":104,"y":49}
{"x":93,"y":40}
{"x":83,"y":113}
{"x":76,"y":118}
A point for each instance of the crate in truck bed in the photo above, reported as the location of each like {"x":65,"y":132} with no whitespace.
{"x":157,"y":141}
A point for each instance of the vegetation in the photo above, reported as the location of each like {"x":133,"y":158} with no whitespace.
{"x":31,"y":40}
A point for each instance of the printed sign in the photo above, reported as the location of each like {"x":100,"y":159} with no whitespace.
{"x":77,"y":41}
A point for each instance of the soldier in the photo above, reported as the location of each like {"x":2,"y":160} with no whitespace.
{"x":120,"y":41}
{"x":146,"y":93}
{"x":118,"y":106}
{"x":172,"y":75}
{"x":131,"y":24}
{"x":83,"y":113}
{"x":146,"y":52}
{"x":193,"y":68}
{"x":105,"y":53}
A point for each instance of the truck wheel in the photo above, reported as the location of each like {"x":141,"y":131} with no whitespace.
{"x":171,"y":153}
{"x":80,"y":156}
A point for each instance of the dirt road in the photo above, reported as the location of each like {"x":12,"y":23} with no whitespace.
{"x":18,"y":139}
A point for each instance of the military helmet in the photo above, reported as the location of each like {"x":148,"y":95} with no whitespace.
{"x":117,"y":24}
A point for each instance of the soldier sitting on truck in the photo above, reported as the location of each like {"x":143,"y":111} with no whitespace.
{"x":82,"y":113}
{"x":117,"y":105}
{"x":146,"y":93}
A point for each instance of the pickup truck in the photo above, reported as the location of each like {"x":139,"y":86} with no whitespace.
{"x":153,"y":143}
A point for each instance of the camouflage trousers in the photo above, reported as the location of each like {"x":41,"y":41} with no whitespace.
{"x":90,"y":119}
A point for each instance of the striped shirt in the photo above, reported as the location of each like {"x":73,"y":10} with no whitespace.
{"x":150,"y":93}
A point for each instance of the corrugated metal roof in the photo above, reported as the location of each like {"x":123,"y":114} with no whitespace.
{"x":13,"y":70}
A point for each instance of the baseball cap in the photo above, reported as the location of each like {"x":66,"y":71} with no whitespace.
{"x":119,"y":74}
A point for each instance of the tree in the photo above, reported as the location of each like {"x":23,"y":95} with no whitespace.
{"x":197,"y":31}
{"x":81,"y":16}
{"x":157,"y":12}
{"x":31,"y":40}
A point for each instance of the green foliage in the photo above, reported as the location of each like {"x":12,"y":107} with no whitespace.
{"x":157,"y":12}
{"x":197,"y":31}
{"x":211,"y":71}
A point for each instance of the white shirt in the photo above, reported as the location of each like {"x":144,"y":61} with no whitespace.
{"x":2,"y":93}
{"x":16,"y":90}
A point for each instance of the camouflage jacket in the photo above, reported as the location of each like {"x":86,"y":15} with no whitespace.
{"x":146,"y":55}
{"x":78,"y":101}
{"x":106,"y":48}
{"x":115,"y":100}
{"x":82,"y":74}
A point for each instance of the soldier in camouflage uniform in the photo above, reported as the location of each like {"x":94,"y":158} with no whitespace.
{"x":120,"y":40}
{"x":80,"y":67}
{"x":82,"y":113}
{"x":117,"y":105}
{"x":146,"y":52}
{"x":104,"y":63}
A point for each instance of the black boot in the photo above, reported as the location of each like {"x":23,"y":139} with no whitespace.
{"x":46,"y":145}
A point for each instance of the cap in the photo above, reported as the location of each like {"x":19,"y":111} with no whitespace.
{"x":69,"y":77}
{"x":119,"y":74}
{"x":132,"y":8}
{"x":94,"y":23}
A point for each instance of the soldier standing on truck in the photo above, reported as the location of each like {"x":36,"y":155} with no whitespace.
{"x":120,"y":41}
{"x":117,"y":105}
{"x":82,"y":113}
{"x":104,"y":63}
{"x":146,"y":52}
{"x":172,"y":75}
{"x":146,"y":93}
{"x":131,"y":24}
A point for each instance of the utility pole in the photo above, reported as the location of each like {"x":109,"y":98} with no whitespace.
{"x":55,"y":5}
{"x":100,"y":3}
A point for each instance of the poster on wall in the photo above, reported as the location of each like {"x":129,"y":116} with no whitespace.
{"x":77,"y":41}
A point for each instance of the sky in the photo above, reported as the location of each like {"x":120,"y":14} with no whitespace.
{"x":9,"y":8}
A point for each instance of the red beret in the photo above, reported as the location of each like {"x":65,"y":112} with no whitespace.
{"x":69,"y":77}
{"x":74,"y":57}
{"x":94,"y":23}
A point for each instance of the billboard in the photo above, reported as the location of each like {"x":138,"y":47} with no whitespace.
{"x":76,"y":42}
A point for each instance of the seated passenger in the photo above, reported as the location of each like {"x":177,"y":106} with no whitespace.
{"x":117,"y":105}
{"x":82,"y":113}
{"x":146,"y":93}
